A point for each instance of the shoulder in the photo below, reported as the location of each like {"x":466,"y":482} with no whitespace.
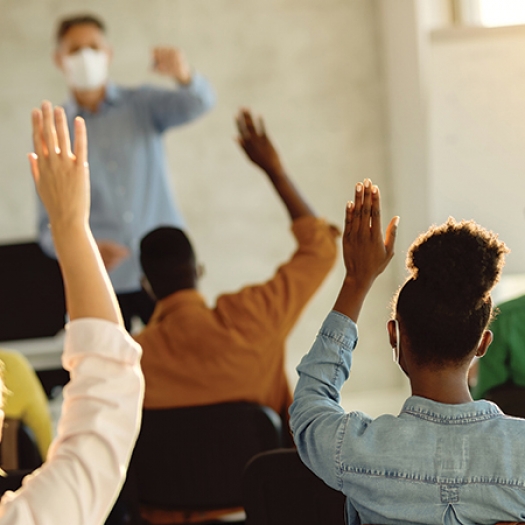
{"x":311,"y":230}
{"x":12,"y":358}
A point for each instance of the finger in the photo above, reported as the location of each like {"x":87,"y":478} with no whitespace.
{"x":248,"y":120}
{"x":358,"y":207}
{"x":38,"y":138}
{"x":261,"y":126}
{"x":50,"y":136}
{"x":349,"y":216}
{"x":241,"y":142}
{"x":80,"y":141}
{"x":63,"y":139}
{"x":33,"y":164}
{"x":241,"y":125}
{"x":375,"y":213}
{"x":367,"y":205}
{"x":390,"y":237}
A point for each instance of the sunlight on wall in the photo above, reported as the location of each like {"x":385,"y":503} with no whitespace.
{"x":494,"y":13}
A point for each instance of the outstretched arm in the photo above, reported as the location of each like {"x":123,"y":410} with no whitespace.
{"x":318,"y":421}
{"x":366,"y":254}
{"x":101,"y":412}
{"x":260,"y":150}
{"x":62,"y":181}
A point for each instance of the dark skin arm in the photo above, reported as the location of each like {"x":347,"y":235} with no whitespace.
{"x":260,"y":150}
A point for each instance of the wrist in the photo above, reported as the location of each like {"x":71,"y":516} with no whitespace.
{"x":183,"y":80}
{"x":67,"y":229}
{"x":276,"y":172}
{"x":358,"y":284}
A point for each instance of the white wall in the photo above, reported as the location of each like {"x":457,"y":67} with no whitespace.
{"x":477,"y":110}
{"x":310,"y":66}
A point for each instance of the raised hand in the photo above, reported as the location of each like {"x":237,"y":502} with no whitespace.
{"x":171,"y":62}
{"x":61,"y":176}
{"x":366,"y":254}
{"x":256,"y":143}
{"x":62,"y":181}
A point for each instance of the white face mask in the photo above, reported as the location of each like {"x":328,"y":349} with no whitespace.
{"x":87,"y":69}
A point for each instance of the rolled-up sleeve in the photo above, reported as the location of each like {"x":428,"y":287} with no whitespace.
{"x":100,"y":420}
{"x":174,"y":107}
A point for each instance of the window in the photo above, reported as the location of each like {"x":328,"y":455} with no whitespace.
{"x":491,"y":13}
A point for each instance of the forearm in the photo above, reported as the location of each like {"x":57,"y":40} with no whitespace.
{"x":86,"y":283}
{"x":96,"y":433}
{"x":352,"y":297}
{"x":291,"y":197}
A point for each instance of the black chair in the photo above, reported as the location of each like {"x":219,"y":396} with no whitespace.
{"x":18,"y":449}
{"x":33,"y":303}
{"x":278,"y":489}
{"x":192,"y":459}
{"x":19,"y":454}
{"x":509,"y":397}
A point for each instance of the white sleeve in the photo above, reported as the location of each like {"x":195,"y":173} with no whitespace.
{"x":86,"y":464}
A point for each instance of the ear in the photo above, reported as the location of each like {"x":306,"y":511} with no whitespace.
{"x":147,"y":287}
{"x":484,"y":343}
{"x":109,"y":51}
{"x":392,"y":336}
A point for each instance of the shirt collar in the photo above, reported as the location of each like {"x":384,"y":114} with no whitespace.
{"x":465,"y":412}
{"x":175,"y":300}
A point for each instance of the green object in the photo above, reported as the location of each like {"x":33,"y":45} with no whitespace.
{"x":505,"y":359}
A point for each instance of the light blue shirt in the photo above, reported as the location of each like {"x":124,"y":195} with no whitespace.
{"x":130,"y":190}
{"x":432,"y":464}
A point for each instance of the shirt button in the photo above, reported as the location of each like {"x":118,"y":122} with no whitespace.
{"x":127,"y":216}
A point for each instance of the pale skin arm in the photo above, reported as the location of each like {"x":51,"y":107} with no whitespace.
{"x":366,"y":254}
{"x":260,"y":150}
{"x":62,"y":181}
{"x":171,"y":62}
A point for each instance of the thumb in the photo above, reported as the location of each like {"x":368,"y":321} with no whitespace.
{"x":33,"y":163}
{"x":390,"y":237}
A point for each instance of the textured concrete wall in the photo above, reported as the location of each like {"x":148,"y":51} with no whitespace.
{"x":310,"y":66}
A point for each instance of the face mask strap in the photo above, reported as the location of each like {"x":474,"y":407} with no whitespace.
{"x":395,"y":349}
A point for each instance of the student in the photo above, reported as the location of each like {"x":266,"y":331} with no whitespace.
{"x":195,"y":354}
{"x":445,"y":459}
{"x":25,"y":399}
{"x":86,"y":463}
{"x":130,"y":190}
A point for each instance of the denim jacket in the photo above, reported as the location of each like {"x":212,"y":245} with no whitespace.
{"x":432,"y":464}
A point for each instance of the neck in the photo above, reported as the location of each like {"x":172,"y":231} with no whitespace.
{"x":90,"y":99}
{"x":445,"y":385}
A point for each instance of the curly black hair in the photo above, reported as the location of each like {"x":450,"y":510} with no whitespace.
{"x":445,"y":304}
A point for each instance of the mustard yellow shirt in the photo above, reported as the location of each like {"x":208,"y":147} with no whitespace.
{"x":194,"y":354}
{"x":26,"y":399}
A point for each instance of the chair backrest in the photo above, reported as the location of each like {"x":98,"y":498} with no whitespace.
{"x":278,"y":489}
{"x":18,"y":449}
{"x":193,"y":458}
{"x":509,"y":397}
{"x":32,"y":302}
